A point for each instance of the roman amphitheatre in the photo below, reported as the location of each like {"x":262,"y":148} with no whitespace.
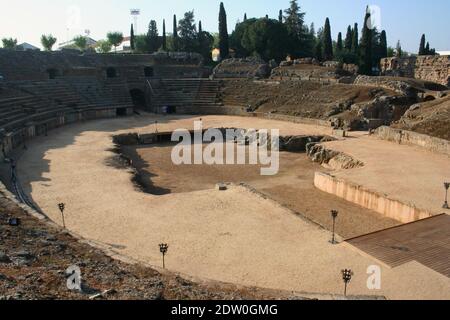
{"x":93,"y":132}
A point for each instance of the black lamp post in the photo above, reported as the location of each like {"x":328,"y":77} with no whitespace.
{"x":446,"y":186}
{"x":156,"y":126}
{"x":163,"y":247}
{"x":347,"y":275}
{"x":334,"y":215}
{"x":62,"y":207}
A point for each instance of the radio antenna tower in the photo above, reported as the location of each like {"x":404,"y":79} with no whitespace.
{"x":135,"y":14}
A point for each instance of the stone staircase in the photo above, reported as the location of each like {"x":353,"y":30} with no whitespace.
{"x":185,"y":93}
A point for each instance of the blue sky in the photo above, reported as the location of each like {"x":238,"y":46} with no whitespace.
{"x":403,"y":20}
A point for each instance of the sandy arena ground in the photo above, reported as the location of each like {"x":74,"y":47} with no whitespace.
{"x":233,"y":236}
{"x":292,"y":186}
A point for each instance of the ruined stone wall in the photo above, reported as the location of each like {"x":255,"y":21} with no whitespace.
{"x":246,"y":68}
{"x":429,"y":68}
{"x":413,"y":138}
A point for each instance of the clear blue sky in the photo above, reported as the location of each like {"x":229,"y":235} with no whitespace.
{"x":403,"y":20}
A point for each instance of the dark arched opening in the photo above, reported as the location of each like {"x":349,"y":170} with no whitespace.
{"x":52,"y":73}
{"x":138,"y":97}
{"x":111,"y":73}
{"x":148,"y":72}
{"x":429,"y":98}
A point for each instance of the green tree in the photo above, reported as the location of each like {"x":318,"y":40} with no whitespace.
{"x":132,"y":44}
{"x":224,"y":45}
{"x":48,"y":41}
{"x":188,"y":33}
{"x":294,"y":20}
{"x":339,"y":43}
{"x":205,"y":43}
{"x":355,"y":39}
{"x":327,"y":41}
{"x":141,"y":45}
{"x":164,"y":37}
{"x":366,"y":61}
{"x":152,"y":37}
{"x":245,"y":17}
{"x":383,"y":45}
{"x":115,"y":38}
{"x":175,"y":39}
{"x":280,"y":16}
{"x":422,"y":46}
{"x":348,"y":39}
{"x":103,"y":46}
{"x":266,"y":38}
{"x":9,"y":43}
{"x":80,"y":42}
{"x":319,"y":51}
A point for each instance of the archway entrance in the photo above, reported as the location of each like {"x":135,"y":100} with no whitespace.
{"x":138,"y":97}
{"x":148,"y":72}
{"x":111,"y":73}
{"x":52,"y":73}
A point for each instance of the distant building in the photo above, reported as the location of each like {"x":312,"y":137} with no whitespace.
{"x":27,"y":47}
{"x":125,"y":46}
{"x":443,"y":53}
{"x":215,"y":55}
{"x":91,"y":43}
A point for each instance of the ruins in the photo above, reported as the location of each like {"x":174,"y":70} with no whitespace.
{"x":92,"y":131}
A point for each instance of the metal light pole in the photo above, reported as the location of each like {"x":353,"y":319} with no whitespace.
{"x":446,"y":186}
{"x":334,"y":215}
{"x":62,"y":207}
{"x":347,"y":275}
{"x":163,"y":247}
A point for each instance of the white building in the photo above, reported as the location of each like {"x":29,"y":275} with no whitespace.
{"x":443,"y":53}
{"x":27,"y":47}
{"x":91,"y":43}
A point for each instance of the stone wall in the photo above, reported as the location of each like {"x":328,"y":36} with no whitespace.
{"x":369,"y":199}
{"x":247,"y":68}
{"x":35,"y":65}
{"x":415,"y":139}
{"x":429,"y":68}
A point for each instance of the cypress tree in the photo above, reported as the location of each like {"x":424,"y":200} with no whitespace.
{"x":245,"y":16}
{"x":164,"y":37}
{"x":366,"y":47}
{"x":427,"y":49}
{"x":175,"y":33}
{"x":223,"y":33}
{"x":132,"y":42}
{"x":339,"y":45}
{"x":267,"y":16}
{"x":327,"y":41}
{"x":422,"y":46}
{"x":355,"y":39}
{"x":383,"y":45}
{"x":319,"y":51}
{"x":280,"y":16}
{"x":348,"y":39}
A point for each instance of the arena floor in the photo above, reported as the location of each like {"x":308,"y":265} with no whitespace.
{"x":233,"y":236}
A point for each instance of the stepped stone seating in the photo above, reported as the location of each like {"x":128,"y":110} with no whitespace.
{"x":186,"y":92}
{"x":25,"y":103}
